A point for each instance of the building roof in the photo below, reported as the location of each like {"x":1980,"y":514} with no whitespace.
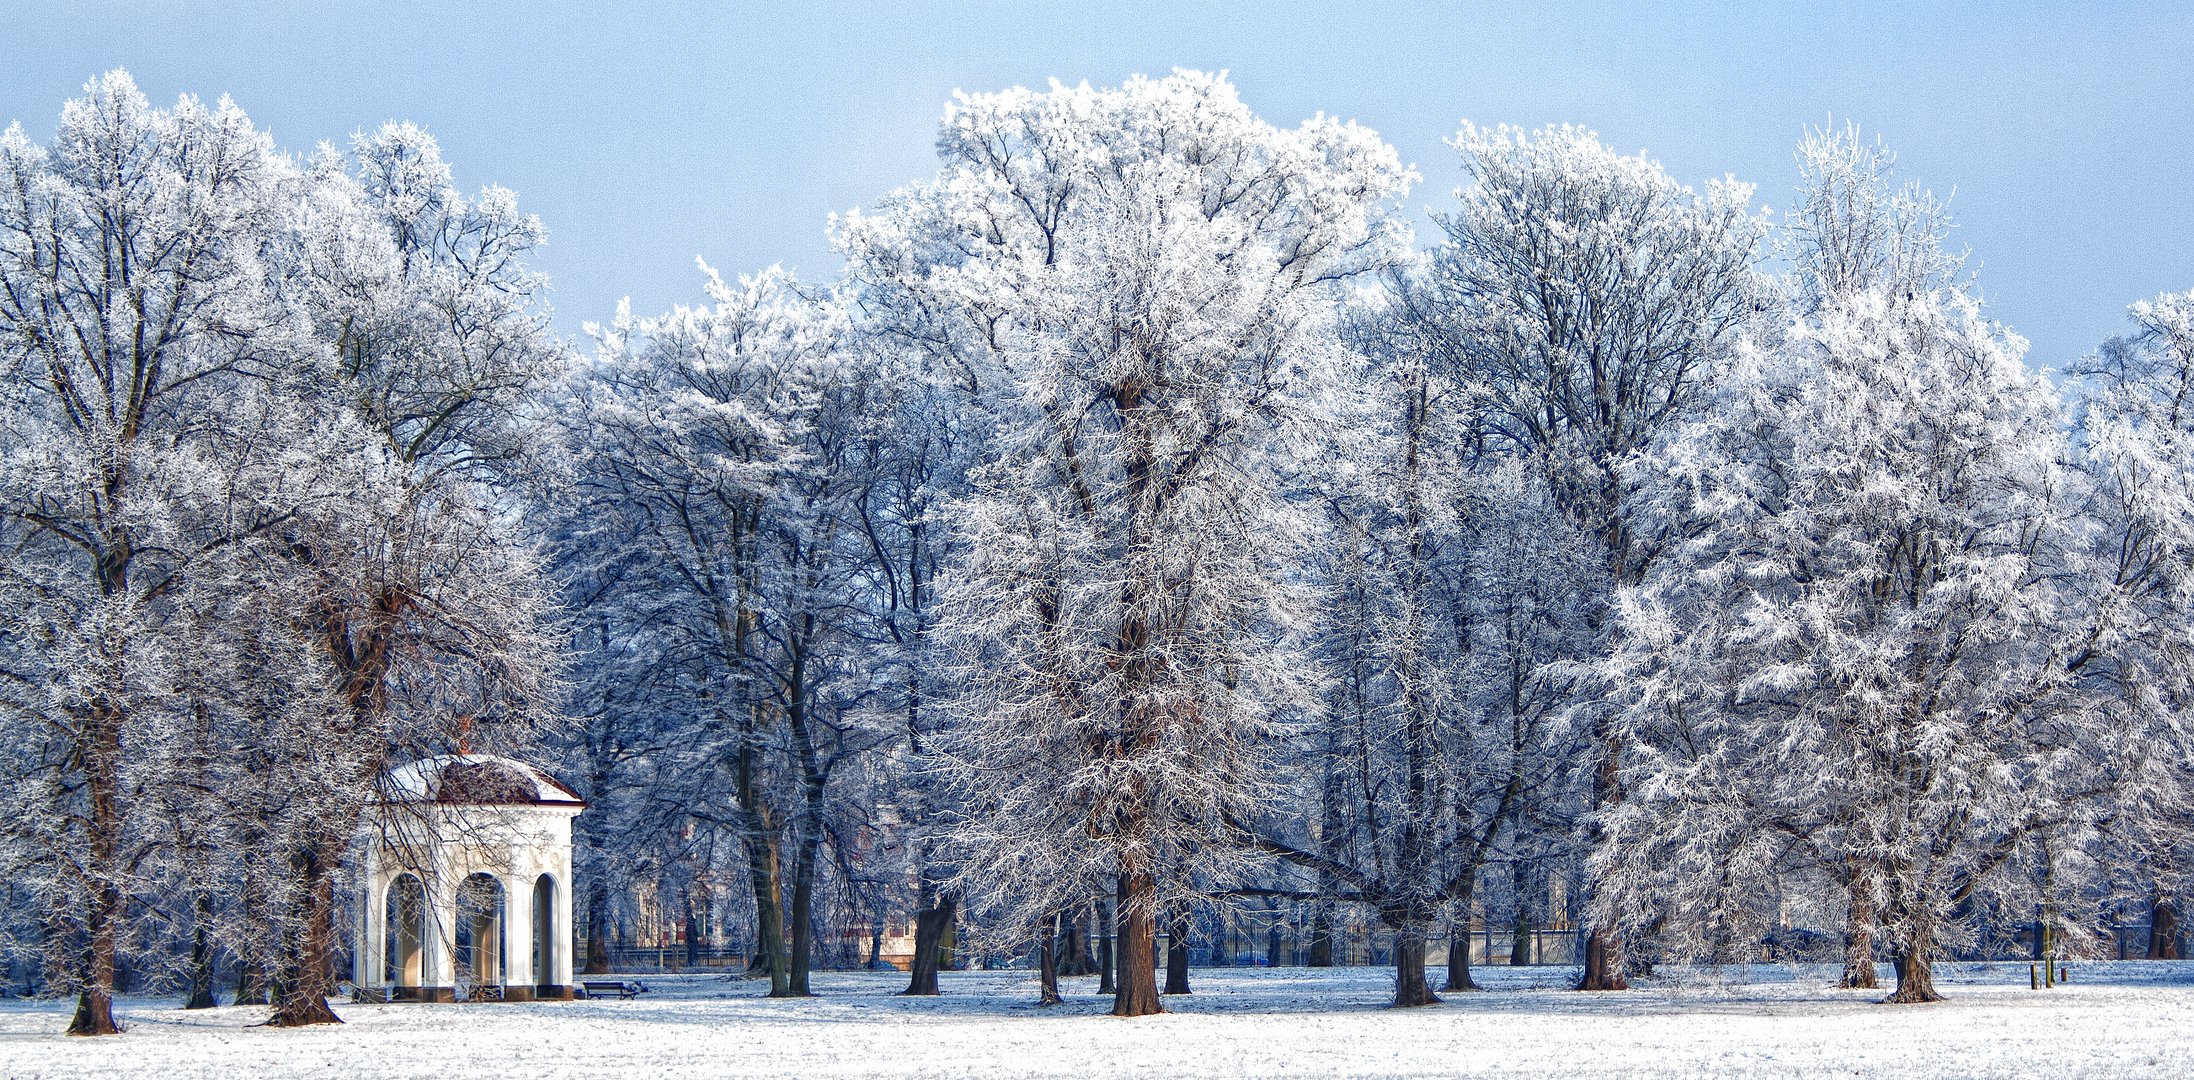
{"x":477,"y":779}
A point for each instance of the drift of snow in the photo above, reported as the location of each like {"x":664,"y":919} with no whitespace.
{"x":2113,"y":1019}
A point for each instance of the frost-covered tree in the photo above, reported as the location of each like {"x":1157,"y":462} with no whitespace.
{"x":727,"y":452}
{"x":141,"y":315}
{"x":2136,"y":427}
{"x":1860,"y":657}
{"x":1140,"y":281}
{"x":1588,"y":299}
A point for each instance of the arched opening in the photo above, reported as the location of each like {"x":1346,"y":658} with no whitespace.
{"x":544,"y":932}
{"x":404,"y":935}
{"x":480,"y":938}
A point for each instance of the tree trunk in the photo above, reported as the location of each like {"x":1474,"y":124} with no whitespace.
{"x":769,"y":916}
{"x":1321,"y":939}
{"x":1047,"y":964}
{"x":1859,"y":971}
{"x":2163,"y":929}
{"x":251,"y":980}
{"x":1079,"y":958}
{"x":930,"y":925}
{"x":803,"y":932}
{"x":1410,"y":988}
{"x":1520,"y":939}
{"x":1272,"y":946}
{"x":104,"y":909}
{"x":1603,"y":963}
{"x":1604,"y":948}
{"x":597,"y":928}
{"x":201,"y":955}
{"x":1177,"y":929}
{"x":303,"y":998}
{"x":1135,"y":973}
{"x":1458,"y":955}
{"x":1915,"y":978}
{"x":1105,"y":951}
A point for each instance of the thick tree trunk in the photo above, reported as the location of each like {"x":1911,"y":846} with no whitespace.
{"x":1047,"y":964}
{"x":1273,"y":957}
{"x":104,"y":907}
{"x":303,"y":997}
{"x":1458,"y":955}
{"x":1136,"y":970}
{"x":251,"y":981}
{"x":1106,"y":932}
{"x":1859,"y":973}
{"x":201,"y":955}
{"x":1603,"y":963}
{"x":769,"y":916}
{"x":1410,"y":988}
{"x":930,"y":925}
{"x":802,"y":956}
{"x":1177,"y":928}
{"x":598,"y":931}
{"x":1604,"y":948}
{"x":1079,"y":958}
{"x":1321,"y":939}
{"x":2163,"y":929}
{"x":1915,"y":978}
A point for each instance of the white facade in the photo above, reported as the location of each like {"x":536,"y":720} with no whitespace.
{"x":467,"y":884}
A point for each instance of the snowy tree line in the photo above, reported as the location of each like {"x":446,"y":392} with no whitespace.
{"x":1143,"y":525}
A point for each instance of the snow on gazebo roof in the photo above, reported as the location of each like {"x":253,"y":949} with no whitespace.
{"x":477,"y":779}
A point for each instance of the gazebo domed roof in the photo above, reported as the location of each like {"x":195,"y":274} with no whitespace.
{"x":477,"y":779}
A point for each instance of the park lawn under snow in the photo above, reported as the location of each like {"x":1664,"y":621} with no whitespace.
{"x":2115,"y":1019}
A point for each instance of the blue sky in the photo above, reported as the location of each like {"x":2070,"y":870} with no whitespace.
{"x":645,"y":135}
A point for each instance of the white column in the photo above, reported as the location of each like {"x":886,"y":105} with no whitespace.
{"x":365,"y":954}
{"x":563,"y":914}
{"x":518,"y":928}
{"x":439,"y":962}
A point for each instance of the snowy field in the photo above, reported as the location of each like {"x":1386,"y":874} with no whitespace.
{"x":2115,"y":1019}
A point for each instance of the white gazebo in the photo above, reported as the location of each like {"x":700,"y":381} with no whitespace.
{"x":467,"y":883}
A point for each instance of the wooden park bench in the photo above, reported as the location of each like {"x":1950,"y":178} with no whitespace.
{"x":602,"y":988}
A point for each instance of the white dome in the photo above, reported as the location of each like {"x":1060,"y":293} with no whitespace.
{"x":476,"y":778}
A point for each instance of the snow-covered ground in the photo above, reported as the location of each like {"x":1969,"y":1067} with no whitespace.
{"x":2114,"y":1019}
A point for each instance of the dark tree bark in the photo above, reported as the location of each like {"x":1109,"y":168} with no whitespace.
{"x":1079,"y":958}
{"x":930,"y":925}
{"x":1603,"y":947}
{"x":693,"y":933}
{"x":103,"y":914}
{"x":2163,"y":929}
{"x":1603,"y":963}
{"x":1915,"y":978}
{"x":1272,"y":946}
{"x":1410,"y":988}
{"x":1136,"y":972}
{"x":1321,"y":939}
{"x":1177,"y":930}
{"x":1458,"y":955}
{"x":201,"y":955}
{"x":1047,"y":964}
{"x":302,"y":999}
{"x":1859,"y":973}
{"x":598,"y":930}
